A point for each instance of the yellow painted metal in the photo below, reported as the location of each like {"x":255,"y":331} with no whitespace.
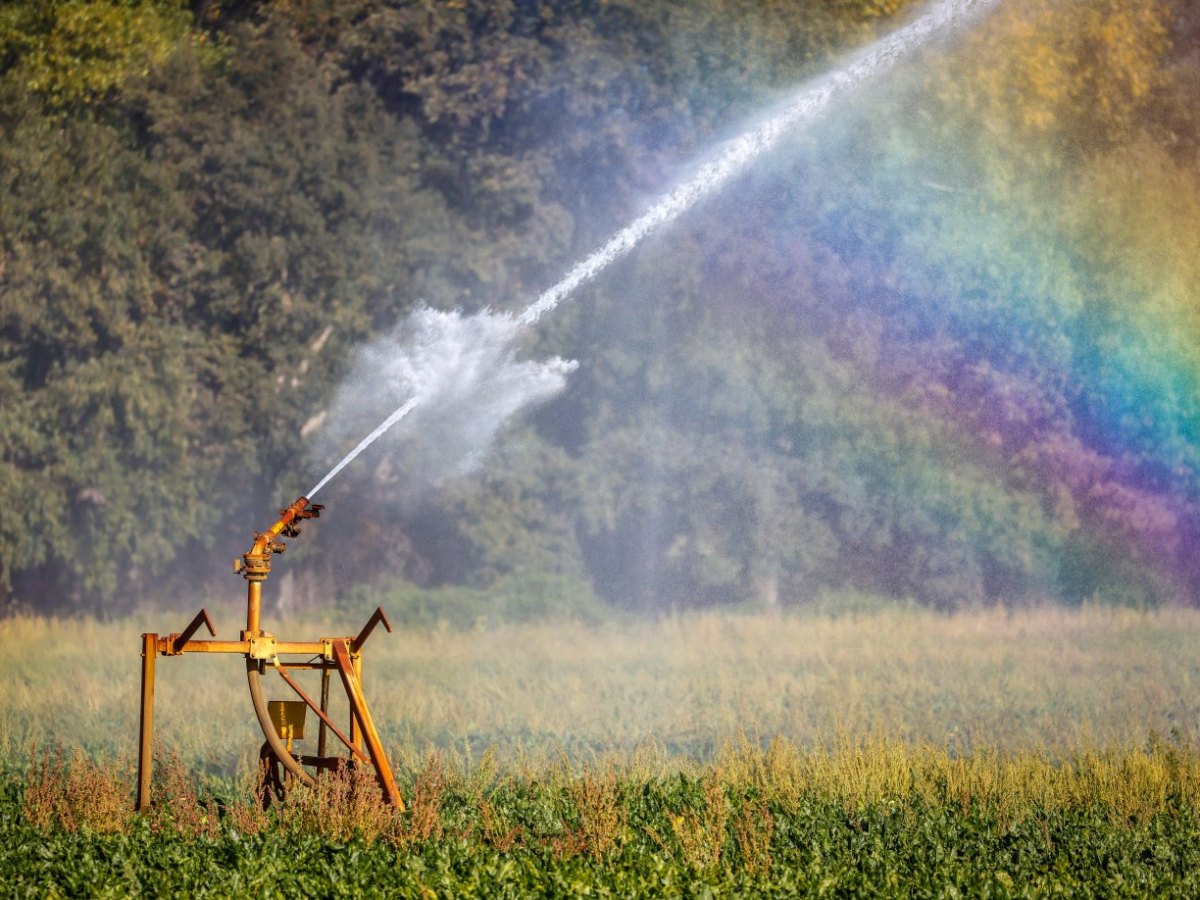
{"x":288,"y":718}
{"x":282,"y":648}
{"x":146,"y":724}
{"x":263,"y":647}
{"x":356,"y":732}
{"x":322,"y":712}
{"x":282,"y":721}
{"x":362,"y":714}
{"x":321,"y":736}
{"x":253,"y":607}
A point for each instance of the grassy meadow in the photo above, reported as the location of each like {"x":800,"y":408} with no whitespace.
{"x":1050,"y":680}
{"x":887,"y":752}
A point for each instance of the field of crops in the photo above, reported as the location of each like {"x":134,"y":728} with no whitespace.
{"x":892,"y":752}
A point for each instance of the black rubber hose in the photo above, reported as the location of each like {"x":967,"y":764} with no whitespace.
{"x":254,"y":677}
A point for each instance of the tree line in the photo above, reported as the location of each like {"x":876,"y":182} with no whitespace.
{"x":940,"y":347}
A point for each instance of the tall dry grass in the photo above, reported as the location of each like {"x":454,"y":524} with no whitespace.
{"x":1046,"y":680}
{"x":1131,"y":785}
{"x":72,"y":791}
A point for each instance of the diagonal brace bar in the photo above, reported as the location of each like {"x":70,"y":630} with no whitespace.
{"x":320,"y":712}
{"x":361,"y":714}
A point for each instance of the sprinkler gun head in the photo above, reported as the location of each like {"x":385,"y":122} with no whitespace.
{"x":300,"y":510}
{"x":255,"y":564}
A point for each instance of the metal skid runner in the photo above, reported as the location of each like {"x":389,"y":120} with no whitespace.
{"x":282,"y":722}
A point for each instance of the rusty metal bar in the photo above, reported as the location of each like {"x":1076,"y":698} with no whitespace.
{"x":323,"y":731}
{"x":312,"y":664}
{"x":361,"y":713}
{"x":146,"y":724}
{"x":376,"y":617}
{"x":356,"y":732}
{"x":203,"y":646}
{"x":325,"y":720}
{"x":178,"y":640}
{"x":253,"y":608}
{"x":356,"y":664}
{"x":324,"y":763}
{"x":283,"y":648}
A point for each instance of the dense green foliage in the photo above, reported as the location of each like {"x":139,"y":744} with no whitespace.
{"x":987,"y":753}
{"x":665,"y":837}
{"x":917,"y":353}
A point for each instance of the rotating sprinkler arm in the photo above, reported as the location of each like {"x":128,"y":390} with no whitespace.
{"x":287,"y":526}
{"x":255,"y":564}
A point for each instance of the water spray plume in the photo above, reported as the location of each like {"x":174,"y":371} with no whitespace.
{"x":802,"y":108}
{"x":453,"y":381}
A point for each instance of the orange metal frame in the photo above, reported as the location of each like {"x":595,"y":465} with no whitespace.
{"x":263,"y":651}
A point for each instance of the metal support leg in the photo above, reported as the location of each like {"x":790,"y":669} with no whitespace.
{"x":323,"y":733}
{"x":362,"y":715}
{"x":146,"y":727}
{"x":354,"y":666}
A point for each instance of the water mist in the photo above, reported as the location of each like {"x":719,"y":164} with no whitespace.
{"x":458,"y":376}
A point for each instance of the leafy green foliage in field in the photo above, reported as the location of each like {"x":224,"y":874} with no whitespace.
{"x":881,"y":752}
{"x":872,"y":818}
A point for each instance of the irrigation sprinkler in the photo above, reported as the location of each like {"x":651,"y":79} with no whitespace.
{"x":282,"y":721}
